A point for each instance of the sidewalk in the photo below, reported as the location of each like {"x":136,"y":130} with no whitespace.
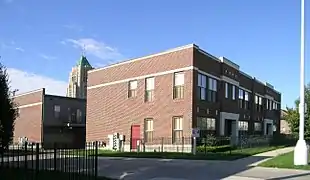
{"x":262,"y":157}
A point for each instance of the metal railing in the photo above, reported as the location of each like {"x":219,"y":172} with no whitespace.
{"x":33,"y":161}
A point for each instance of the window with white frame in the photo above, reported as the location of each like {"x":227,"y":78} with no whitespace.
{"x":56,"y":111}
{"x":132,"y":88}
{"x":177,"y":129}
{"x":149,"y":89}
{"x":246,"y":100}
{"x":226,"y":90}
{"x":212,"y":90}
{"x":241,"y":97}
{"x":233,"y":92}
{"x":148,"y":129}
{"x":178,"y":88}
{"x":202,"y":86}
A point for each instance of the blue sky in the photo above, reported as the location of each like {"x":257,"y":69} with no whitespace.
{"x":41,"y":40}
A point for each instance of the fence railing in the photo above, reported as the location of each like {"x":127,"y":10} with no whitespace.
{"x":33,"y":161}
{"x":185,"y":144}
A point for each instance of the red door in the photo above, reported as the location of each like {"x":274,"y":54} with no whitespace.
{"x":135,"y":136}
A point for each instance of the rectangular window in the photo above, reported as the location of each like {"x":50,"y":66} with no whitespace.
{"x":246,"y":100}
{"x":149,"y":89}
{"x":206,"y":126}
{"x":178,"y":88}
{"x":243,"y":125}
{"x":267,"y":104}
{"x":212,"y":90}
{"x":177,"y":129}
{"x":233,"y":92}
{"x":257,"y":126}
{"x":241,"y":97}
{"x":148,"y":129}
{"x":202,"y":86}
{"x":226,"y":90}
{"x":132,"y":88}
{"x":78,"y":116}
{"x":56,"y":111}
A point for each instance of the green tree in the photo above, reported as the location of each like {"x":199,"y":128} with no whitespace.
{"x":8,"y":111}
{"x":292,"y":116}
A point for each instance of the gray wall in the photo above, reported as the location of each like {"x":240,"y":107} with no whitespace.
{"x":65,"y":103}
{"x":55,"y":130}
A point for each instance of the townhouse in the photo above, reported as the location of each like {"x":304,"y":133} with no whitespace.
{"x":169,"y":93}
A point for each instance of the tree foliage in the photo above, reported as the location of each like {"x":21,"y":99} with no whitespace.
{"x":292,"y":116}
{"x":8,"y":111}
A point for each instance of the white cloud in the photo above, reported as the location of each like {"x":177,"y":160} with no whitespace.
{"x":47,"y":57}
{"x":26,"y":81}
{"x":20,"y":49}
{"x":96,"y":48}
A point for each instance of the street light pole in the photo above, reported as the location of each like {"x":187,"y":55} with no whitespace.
{"x":301,"y":150}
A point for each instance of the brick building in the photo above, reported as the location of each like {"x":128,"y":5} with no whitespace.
{"x":169,"y":93}
{"x":50,"y":119}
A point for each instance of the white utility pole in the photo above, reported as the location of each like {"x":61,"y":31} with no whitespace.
{"x":301,"y":149}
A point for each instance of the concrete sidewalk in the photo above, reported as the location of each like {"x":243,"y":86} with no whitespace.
{"x":262,"y":157}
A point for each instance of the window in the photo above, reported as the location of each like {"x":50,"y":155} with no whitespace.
{"x":257,"y":126}
{"x":56,"y":111}
{"x":178,"y":89}
{"x":243,"y":125}
{"x":148,"y":130}
{"x":241,"y":97}
{"x":233,"y":92}
{"x":212,"y":92}
{"x":226,"y":90}
{"x":177,"y":131}
{"x":267,"y":104}
{"x":246,"y":100}
{"x":150,"y":86}
{"x":132,"y":89}
{"x":258,"y":102}
{"x":202,"y":86}
{"x":78,"y":116}
{"x":206,"y":126}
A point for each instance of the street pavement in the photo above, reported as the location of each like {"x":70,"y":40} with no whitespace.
{"x":168,"y":169}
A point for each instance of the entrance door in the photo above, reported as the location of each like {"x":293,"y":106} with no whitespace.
{"x":228,"y":127}
{"x":269,"y":129}
{"x":135,"y":136}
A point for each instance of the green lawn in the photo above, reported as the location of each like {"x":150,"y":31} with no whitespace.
{"x":228,"y":155}
{"x":21,"y":174}
{"x":283,"y":161}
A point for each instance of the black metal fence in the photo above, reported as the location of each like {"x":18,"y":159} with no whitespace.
{"x":185,"y":144}
{"x":31,"y":161}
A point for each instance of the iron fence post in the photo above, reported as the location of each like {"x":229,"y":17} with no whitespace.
{"x":37,"y":158}
{"x":162,"y":144}
{"x":55,"y":157}
{"x":96,"y":159}
{"x":183,"y":144}
{"x":26,"y":154}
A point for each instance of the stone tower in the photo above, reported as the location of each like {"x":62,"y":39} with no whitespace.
{"x":77,"y":87}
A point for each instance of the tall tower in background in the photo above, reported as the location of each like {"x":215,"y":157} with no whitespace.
{"x":77,"y":87}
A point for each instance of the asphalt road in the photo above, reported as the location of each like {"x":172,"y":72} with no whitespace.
{"x":165,"y":169}
{"x":152,"y":169}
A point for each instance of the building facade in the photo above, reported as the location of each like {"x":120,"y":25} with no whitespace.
{"x":77,"y":87}
{"x":50,"y":119}
{"x":169,"y":93}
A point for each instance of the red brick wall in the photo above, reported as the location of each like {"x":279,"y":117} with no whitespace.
{"x":109,"y":110}
{"x":28,"y":123}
